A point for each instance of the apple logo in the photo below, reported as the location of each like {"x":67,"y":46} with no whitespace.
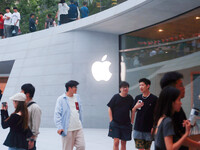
{"x":100,"y":69}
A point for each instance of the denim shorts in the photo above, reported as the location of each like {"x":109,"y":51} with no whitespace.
{"x":122,"y":132}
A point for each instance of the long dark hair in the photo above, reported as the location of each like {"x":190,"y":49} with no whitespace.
{"x":164,"y":104}
{"x":22,"y":107}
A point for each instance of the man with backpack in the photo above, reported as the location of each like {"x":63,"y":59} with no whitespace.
{"x":34,"y":112}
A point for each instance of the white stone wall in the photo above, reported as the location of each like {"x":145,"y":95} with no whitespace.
{"x":49,"y":61}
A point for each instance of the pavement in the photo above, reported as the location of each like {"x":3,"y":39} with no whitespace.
{"x":48,"y":139}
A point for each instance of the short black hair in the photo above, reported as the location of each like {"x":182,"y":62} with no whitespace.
{"x":49,"y":15}
{"x":71,"y":84}
{"x":14,"y":7}
{"x":62,"y":1}
{"x":1,"y":13}
{"x":72,"y":1}
{"x":124,"y":84}
{"x":28,"y":88}
{"x":32,"y":15}
{"x":145,"y":80}
{"x":170,"y":78}
{"x":7,"y":8}
{"x":84,"y":3}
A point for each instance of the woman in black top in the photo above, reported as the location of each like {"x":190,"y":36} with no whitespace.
{"x":19,"y":134}
{"x":168,"y":103}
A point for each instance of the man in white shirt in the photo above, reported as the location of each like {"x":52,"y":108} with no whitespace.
{"x":7,"y":23}
{"x":68,"y":118}
{"x":15,"y":21}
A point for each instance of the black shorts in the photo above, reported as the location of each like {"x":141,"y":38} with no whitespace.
{"x":123,"y":132}
{"x":1,"y":32}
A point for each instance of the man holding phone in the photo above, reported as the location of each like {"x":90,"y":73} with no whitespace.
{"x":68,"y":118}
{"x":144,"y":105}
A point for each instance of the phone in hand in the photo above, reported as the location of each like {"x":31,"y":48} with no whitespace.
{"x":4,"y":104}
{"x":140,"y":101}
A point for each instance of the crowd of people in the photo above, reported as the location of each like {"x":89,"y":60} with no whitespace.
{"x":10,"y":22}
{"x":161,"y":119}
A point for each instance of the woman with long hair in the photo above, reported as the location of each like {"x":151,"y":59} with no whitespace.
{"x":62,"y":13}
{"x":19,"y":134}
{"x":168,"y":103}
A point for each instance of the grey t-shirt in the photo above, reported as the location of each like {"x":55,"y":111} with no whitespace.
{"x":165,"y":129}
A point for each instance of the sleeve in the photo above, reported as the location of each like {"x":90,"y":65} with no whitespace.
{"x":112,"y":102}
{"x":132,"y":103}
{"x":58,"y":114}
{"x":168,"y":128}
{"x":36,"y":117}
{"x":6,"y":123}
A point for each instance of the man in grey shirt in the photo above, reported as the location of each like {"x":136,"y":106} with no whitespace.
{"x":34,"y":112}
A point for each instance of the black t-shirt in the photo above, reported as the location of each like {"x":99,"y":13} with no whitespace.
{"x":178,"y":126}
{"x":121,"y":107}
{"x":144,"y":117}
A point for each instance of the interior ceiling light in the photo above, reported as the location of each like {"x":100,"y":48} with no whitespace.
{"x":160,"y":30}
{"x":197,"y":18}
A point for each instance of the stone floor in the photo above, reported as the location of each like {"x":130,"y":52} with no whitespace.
{"x":96,"y":139}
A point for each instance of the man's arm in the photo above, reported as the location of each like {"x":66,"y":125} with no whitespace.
{"x":58,"y":117}
{"x":36,"y":119}
{"x":110,"y":114}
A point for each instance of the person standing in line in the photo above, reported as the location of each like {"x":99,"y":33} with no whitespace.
{"x":169,"y":102}
{"x":7,"y":23}
{"x":18,"y":122}
{"x":144,"y":105}
{"x":15,"y":21}
{"x":84,"y":10}
{"x":119,"y":109}
{"x":32,"y":23}
{"x":34,"y":113}
{"x":73,"y":11}
{"x":174,"y":79}
{"x":1,"y":25}
{"x":62,"y":13}
{"x":68,"y":118}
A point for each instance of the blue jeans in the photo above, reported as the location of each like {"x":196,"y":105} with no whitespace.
{"x":12,"y":148}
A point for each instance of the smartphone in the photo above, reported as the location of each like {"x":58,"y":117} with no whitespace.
{"x":140,"y":101}
{"x":4,"y":104}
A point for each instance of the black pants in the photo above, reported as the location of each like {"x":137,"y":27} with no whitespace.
{"x":63,"y":19}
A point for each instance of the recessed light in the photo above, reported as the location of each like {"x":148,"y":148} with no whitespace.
{"x":197,"y":18}
{"x":160,"y":30}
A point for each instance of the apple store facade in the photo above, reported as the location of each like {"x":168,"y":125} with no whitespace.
{"x":141,"y":38}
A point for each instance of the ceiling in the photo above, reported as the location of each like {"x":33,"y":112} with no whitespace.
{"x":186,"y":25}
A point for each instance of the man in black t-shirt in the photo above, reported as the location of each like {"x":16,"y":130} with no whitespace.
{"x":175,"y":79}
{"x":144,"y":105}
{"x":119,"y":110}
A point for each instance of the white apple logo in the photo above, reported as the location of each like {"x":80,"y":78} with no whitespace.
{"x":100,"y":69}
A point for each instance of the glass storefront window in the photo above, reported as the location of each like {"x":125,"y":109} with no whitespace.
{"x":172,"y":45}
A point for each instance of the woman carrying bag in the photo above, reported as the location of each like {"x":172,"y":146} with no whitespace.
{"x":20,"y":133}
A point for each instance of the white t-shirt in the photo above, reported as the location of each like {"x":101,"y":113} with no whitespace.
{"x":9,"y":21}
{"x":15,"y":17}
{"x":63,"y":8}
{"x":74,"y":121}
